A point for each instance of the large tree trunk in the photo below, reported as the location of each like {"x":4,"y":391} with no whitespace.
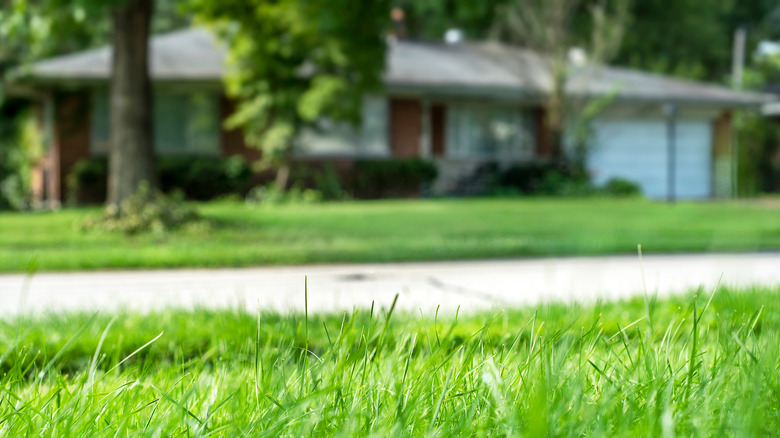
{"x":132,"y":149}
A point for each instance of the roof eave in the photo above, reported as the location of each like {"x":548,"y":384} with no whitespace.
{"x":455,"y":89}
{"x":95,"y":80}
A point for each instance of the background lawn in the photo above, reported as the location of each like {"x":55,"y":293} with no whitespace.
{"x":684,"y":366}
{"x":384,"y":231}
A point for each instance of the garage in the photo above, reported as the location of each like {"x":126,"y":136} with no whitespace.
{"x":636,"y":149}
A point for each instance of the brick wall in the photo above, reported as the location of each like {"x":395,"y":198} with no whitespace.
{"x":232,"y":141}
{"x":72,"y":135}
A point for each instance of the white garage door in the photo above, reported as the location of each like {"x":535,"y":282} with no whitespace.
{"x":637,"y":150}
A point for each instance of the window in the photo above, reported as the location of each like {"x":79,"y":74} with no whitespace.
{"x":184,"y":123}
{"x":341,"y":139}
{"x":489,"y":131}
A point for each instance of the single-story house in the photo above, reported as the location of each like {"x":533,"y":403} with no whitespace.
{"x":460,"y":104}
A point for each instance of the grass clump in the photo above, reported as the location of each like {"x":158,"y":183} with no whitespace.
{"x":685,"y":366}
{"x":145,"y":211}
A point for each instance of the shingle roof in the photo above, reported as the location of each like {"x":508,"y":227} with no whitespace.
{"x":467,"y":68}
{"x":191,"y":54}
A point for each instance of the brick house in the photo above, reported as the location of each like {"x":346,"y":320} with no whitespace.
{"x":461,"y":105}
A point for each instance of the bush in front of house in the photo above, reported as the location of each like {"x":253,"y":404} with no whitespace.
{"x":87,"y":181}
{"x":145,"y":211}
{"x":198,"y":178}
{"x":621,"y":187}
{"x":21,"y":146}
{"x":392,"y":178}
{"x":328,"y":184}
{"x":269,"y":194}
{"x":203,"y":178}
{"x":546,"y":179}
{"x":558,"y":179}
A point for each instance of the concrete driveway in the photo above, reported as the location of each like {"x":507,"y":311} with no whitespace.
{"x":422,"y":286}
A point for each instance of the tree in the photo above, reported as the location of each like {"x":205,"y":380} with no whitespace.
{"x":693,"y":38}
{"x":430,"y":19}
{"x":34,"y":29}
{"x":296,"y":61}
{"x":547,"y":27}
{"x":131,"y":158}
{"x":686,"y":38}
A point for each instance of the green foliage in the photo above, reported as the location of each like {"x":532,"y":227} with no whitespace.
{"x":557,"y":179}
{"x":204,"y":178}
{"x":430,"y":19}
{"x":546,"y":178}
{"x":681,"y":366}
{"x":271,"y":195}
{"x":198,"y":178}
{"x":621,"y":187}
{"x":393,"y":177}
{"x":295,"y":61}
{"x":759,"y":155}
{"x":329,"y":185}
{"x":87,"y":181}
{"x":661,"y":39}
{"x":36,"y":29}
{"x":143,"y":212}
{"x":21,"y":146}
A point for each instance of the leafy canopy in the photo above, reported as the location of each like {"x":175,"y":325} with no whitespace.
{"x":688,"y":38}
{"x":35,"y":29}
{"x":292,"y":62}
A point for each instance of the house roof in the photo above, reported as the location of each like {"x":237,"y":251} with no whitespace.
{"x":191,"y":54}
{"x":489,"y":69}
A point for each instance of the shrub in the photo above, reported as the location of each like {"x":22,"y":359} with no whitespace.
{"x":13,"y":194}
{"x":199,"y":178}
{"x":328,"y":184}
{"x":546,"y":178}
{"x":202,"y":178}
{"x":393,"y":178}
{"x":621,"y":187}
{"x":21,"y":146}
{"x":87,"y":181}
{"x":145,"y":211}
{"x":270,"y":195}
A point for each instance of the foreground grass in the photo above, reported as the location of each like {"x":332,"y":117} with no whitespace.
{"x":393,"y":231}
{"x":683,"y":366}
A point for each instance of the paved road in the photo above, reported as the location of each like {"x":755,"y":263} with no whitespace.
{"x":422,"y":286}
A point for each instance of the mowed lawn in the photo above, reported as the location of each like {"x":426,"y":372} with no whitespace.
{"x":685,"y":366}
{"x":383,"y":231}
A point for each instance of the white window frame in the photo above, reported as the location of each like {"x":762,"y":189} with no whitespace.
{"x":465,"y":118}
{"x":332,"y":139}
{"x":101,"y":120}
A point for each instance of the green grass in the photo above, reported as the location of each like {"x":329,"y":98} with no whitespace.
{"x":678,"y":367}
{"x":394,"y":231}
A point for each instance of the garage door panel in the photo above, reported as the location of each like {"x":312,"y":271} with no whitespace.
{"x":637,"y":150}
